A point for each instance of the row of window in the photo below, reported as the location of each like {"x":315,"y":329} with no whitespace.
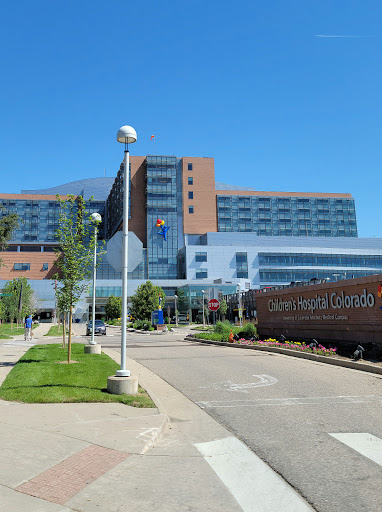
{"x":287,"y":276}
{"x":287,"y":216}
{"x":190,"y":193}
{"x":31,"y":248}
{"x":284,"y":202}
{"x":27,"y":266}
{"x":320,"y":260}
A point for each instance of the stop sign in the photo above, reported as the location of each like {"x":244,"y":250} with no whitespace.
{"x":213,"y":305}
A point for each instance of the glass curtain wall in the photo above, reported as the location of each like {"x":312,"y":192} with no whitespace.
{"x":39,"y":218}
{"x":287,"y":216}
{"x":162,"y":203}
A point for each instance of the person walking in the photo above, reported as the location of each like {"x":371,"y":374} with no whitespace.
{"x":28,"y":328}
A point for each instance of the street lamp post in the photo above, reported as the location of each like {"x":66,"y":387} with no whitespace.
{"x":204,"y":318}
{"x":176,"y":309}
{"x":96,"y":219}
{"x":240,"y":309}
{"x":126,"y":135}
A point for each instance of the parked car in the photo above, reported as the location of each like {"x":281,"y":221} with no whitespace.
{"x":99,"y":328}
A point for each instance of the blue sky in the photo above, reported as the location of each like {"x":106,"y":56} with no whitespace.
{"x":248,"y":83}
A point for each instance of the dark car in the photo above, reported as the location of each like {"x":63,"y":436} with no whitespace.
{"x":99,"y":328}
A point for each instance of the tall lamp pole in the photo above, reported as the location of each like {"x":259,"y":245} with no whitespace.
{"x":96,"y":219}
{"x":126,"y":135}
{"x":204,"y":318}
{"x":176,"y":309}
{"x":240,"y":308}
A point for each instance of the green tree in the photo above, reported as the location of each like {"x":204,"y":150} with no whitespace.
{"x":75,"y":256}
{"x":2,"y":314}
{"x":145,"y":300}
{"x":14,"y":308}
{"x":183,"y":303}
{"x":63,"y":307}
{"x":113,"y":307}
{"x":8,"y":224}
{"x":223,"y":308}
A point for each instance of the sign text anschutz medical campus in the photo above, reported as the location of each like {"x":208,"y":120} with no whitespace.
{"x":328,"y":301}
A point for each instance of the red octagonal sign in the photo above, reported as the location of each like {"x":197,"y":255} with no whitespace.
{"x":213,"y":305}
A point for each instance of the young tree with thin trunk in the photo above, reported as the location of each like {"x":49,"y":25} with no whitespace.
{"x":2,"y":315}
{"x":19,"y":301}
{"x":75,"y":236}
{"x":223,"y":308}
{"x":63,"y":306}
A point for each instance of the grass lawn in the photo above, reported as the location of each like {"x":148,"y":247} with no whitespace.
{"x":38,"y":377}
{"x":6,"y":332}
{"x":56,"y":331}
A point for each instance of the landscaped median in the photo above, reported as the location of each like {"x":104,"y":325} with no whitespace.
{"x":295,"y":349}
{"x":7,"y":331}
{"x":43,"y":375}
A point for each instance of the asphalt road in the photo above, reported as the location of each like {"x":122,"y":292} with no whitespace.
{"x":289,"y":411}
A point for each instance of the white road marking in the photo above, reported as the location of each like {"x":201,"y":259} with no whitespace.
{"x":254,"y":485}
{"x":228,"y":385}
{"x":364,"y":443}
{"x":267,"y":402}
{"x":150,"y":433}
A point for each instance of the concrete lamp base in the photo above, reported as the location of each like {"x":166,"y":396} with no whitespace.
{"x":122,"y":385}
{"x":92,"y":349}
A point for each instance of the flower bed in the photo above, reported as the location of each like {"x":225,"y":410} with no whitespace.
{"x":293,"y":345}
{"x":270,"y":342}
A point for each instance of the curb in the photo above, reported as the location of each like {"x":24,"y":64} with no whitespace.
{"x":312,"y":357}
{"x":162,"y":411}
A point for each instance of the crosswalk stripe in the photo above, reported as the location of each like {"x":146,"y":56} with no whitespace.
{"x":366,"y":444}
{"x":254,"y":485}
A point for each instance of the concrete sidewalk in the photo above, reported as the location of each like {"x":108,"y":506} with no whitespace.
{"x":50,"y":452}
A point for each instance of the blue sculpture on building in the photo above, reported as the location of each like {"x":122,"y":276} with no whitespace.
{"x":161,"y":224}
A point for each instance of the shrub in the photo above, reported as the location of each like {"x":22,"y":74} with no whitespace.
{"x":213,"y":336}
{"x":143,"y":325}
{"x":249,"y":330}
{"x":223,"y":327}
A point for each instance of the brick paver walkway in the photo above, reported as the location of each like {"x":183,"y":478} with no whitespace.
{"x":59,"y":483}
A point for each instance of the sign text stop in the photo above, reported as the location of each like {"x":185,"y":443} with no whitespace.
{"x":213,"y":305}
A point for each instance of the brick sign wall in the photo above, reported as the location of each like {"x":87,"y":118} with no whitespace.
{"x":347,"y":310}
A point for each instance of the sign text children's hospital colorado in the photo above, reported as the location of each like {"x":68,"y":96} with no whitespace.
{"x":328,"y":301}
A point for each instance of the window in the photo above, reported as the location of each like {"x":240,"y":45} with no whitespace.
{"x":190,"y":167}
{"x":200,"y":256}
{"x":190,"y":180}
{"x":190,"y":195}
{"x":190,"y":209}
{"x":241,"y":265}
{"x":21,"y":266}
{"x":45,"y":266}
{"x":201,"y":274}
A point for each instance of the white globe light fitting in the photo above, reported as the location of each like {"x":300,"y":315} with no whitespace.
{"x":96,"y":217}
{"x":126,"y":135}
